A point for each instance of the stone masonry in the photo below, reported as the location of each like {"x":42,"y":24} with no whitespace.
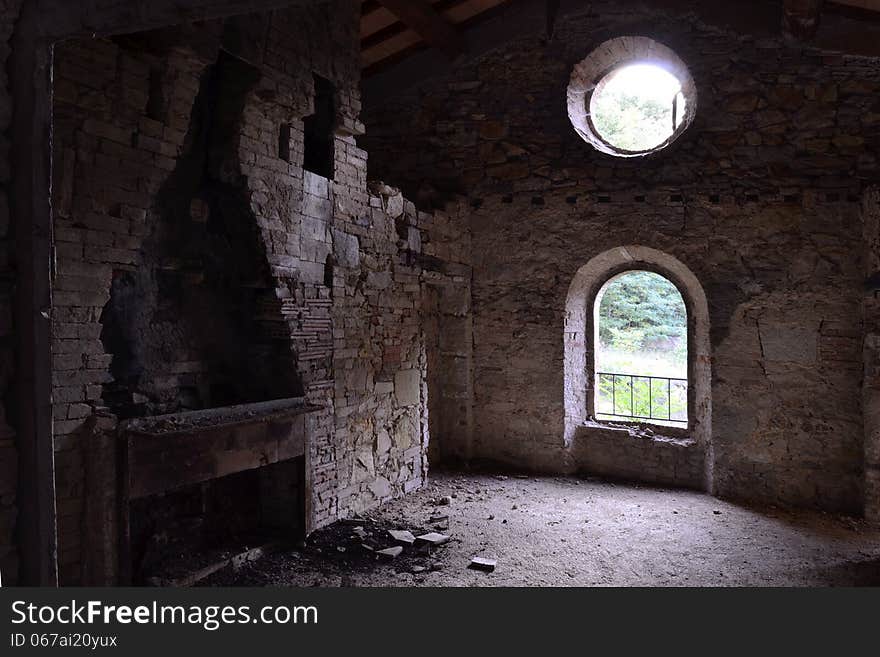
{"x":761,"y":198}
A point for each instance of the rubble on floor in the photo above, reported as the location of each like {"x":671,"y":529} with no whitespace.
{"x":568,"y":531}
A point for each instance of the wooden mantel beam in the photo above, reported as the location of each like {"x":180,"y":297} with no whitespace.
{"x":800,"y":18}
{"x":420,"y":17}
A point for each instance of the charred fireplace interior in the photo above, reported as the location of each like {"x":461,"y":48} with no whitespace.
{"x":184,"y":326}
{"x":188,"y":329}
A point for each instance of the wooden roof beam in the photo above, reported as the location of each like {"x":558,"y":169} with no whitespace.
{"x":419,"y":16}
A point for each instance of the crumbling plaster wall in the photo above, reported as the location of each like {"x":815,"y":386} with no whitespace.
{"x":348,"y":265}
{"x":760,"y":199}
{"x":8,"y":454}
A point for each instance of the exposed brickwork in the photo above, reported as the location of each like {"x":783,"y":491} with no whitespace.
{"x":760,"y":198}
{"x":346,"y":266}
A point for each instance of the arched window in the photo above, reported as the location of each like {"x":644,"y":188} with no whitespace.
{"x":631,"y":274}
{"x":641,"y":350}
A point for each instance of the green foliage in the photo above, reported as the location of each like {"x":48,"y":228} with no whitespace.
{"x":630,"y":120}
{"x":643,"y":332}
{"x":641,"y":397}
{"x":642,"y":309}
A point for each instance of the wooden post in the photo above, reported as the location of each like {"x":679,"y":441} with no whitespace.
{"x":31,"y":71}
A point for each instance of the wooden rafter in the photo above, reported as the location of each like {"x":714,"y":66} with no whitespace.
{"x":870,"y":5}
{"x":422,"y":19}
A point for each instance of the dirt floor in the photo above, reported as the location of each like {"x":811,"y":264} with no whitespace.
{"x":555,"y":531}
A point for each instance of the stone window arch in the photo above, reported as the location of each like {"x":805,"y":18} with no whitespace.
{"x":580,"y":338}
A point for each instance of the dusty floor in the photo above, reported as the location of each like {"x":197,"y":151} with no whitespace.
{"x":572,"y":532}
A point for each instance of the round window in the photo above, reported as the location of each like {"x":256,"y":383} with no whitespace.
{"x":632,"y":96}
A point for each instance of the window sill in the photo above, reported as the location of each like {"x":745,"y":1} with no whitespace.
{"x":679,"y":436}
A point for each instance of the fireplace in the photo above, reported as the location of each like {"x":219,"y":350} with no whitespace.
{"x":200,"y":487}
{"x":197,"y":424}
{"x":218,"y":255}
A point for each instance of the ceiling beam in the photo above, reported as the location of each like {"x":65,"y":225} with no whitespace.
{"x":527,"y":18}
{"x":869,"y":5}
{"x":428,"y":24}
{"x":800,"y":18}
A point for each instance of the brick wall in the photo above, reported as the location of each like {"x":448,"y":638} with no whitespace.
{"x":346,"y":266}
{"x":760,"y":198}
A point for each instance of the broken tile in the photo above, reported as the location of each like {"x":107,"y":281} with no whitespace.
{"x":402,"y":536}
{"x":390,"y":553}
{"x":483,"y":563}
{"x":433,"y":538}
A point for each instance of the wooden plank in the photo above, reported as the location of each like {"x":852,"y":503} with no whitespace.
{"x":30,"y":69}
{"x":389,"y":47}
{"x":870,"y":5}
{"x":377,"y":20}
{"x":433,"y":28}
{"x":465,"y":11}
{"x":157,"y":464}
{"x":389,"y":43}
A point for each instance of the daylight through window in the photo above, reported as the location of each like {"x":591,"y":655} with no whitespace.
{"x":637,"y":107}
{"x":632,"y":96}
{"x":641,"y":350}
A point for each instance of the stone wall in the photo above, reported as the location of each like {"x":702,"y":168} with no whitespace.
{"x":8,"y":454}
{"x":871,"y":392}
{"x":345,"y":267}
{"x":760,"y":198}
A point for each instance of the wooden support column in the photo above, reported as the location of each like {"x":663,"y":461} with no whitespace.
{"x":30,"y":77}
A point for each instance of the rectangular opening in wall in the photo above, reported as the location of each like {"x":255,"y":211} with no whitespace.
{"x":284,"y":142}
{"x":319,"y":152}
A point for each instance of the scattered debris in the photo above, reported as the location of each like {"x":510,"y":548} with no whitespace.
{"x":390,"y":553}
{"x":402,"y":536}
{"x":203,"y":566}
{"x":483,"y":563}
{"x":433,"y":538}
